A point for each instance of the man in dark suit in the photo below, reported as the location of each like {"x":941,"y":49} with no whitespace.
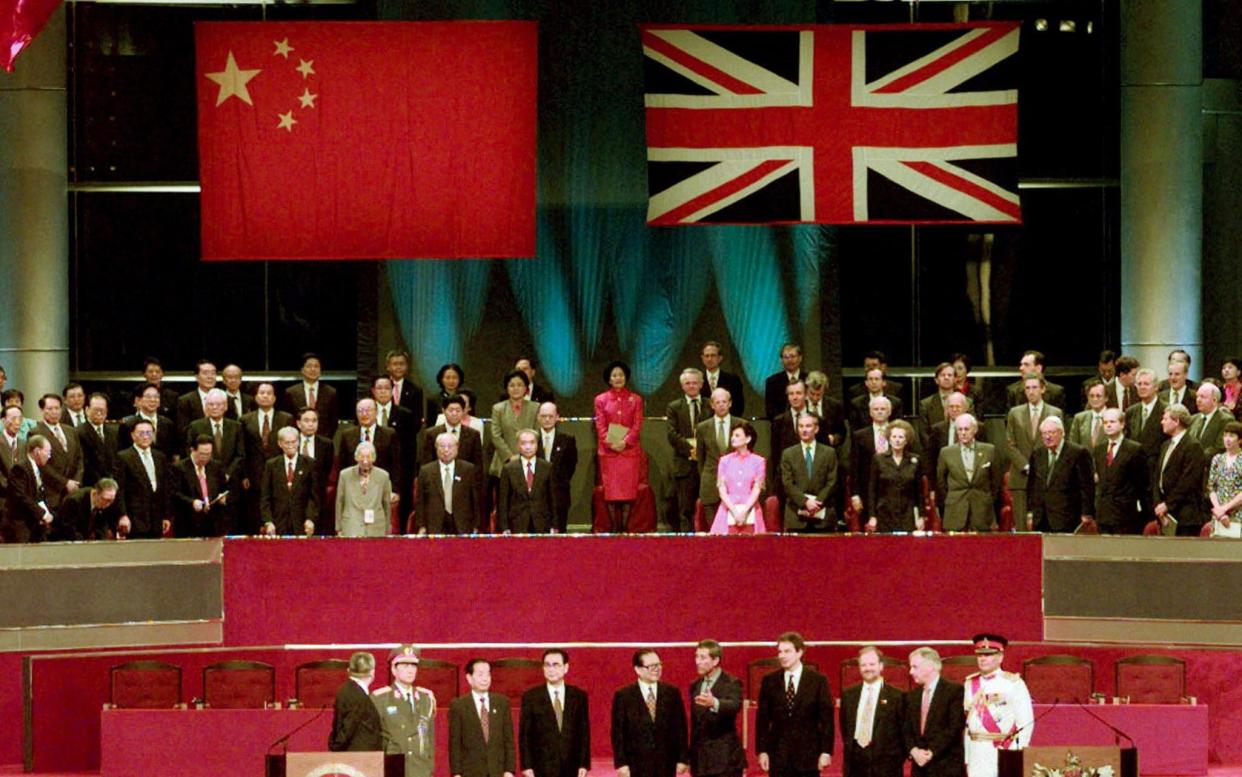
{"x":1177,"y":389}
{"x":561,"y":451}
{"x":143,"y":477}
{"x":229,"y":445}
{"x":1177,"y":479}
{"x":534,"y":392}
{"x":153,"y":373}
{"x":12,"y":448}
{"x":932,"y":409}
{"x":712,"y":356}
{"x":404,"y":392}
{"x":711,"y":440}
{"x":684,"y":414}
{"x":1123,"y":477}
{"x":91,"y":512}
{"x":810,"y":489}
{"x":312,"y":392}
{"x":238,"y":402}
{"x":648,"y":723}
{"x":526,"y":503}
{"x":406,"y":422}
{"x":388,"y":455}
{"x":191,"y":405}
{"x":317,"y":449}
{"x":1208,"y":425}
{"x":784,"y":434}
{"x":968,"y":480}
{"x":715,"y":702}
{"x":774,"y":400}
{"x":460,"y":512}
{"x":554,"y":733}
{"x":1120,"y":390}
{"x":481,"y":728}
{"x":1061,"y":488}
{"x":35,"y":493}
{"x":793,"y":725}
{"x":829,"y":409}
{"x":259,"y":427}
{"x":1022,"y":436}
{"x":1143,"y":417}
{"x":198,"y":482}
{"x":1033,"y":362}
{"x":356,"y":724}
{"x":876,"y":360}
{"x":865,"y":443}
{"x":1105,"y":373}
{"x":934,"y":719}
{"x":100,"y":441}
{"x":469,"y":442}
{"x":289,"y":496}
{"x":872,"y":718}
{"x":876,"y":386}
{"x":165,"y":438}
{"x":67,"y":460}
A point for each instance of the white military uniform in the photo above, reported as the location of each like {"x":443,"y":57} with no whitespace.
{"x":999,"y":715}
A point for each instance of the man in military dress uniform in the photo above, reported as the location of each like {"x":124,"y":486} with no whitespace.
{"x":999,"y":715}
{"x":408,"y":713}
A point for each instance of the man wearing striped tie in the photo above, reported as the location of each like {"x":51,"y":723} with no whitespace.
{"x":649,"y":723}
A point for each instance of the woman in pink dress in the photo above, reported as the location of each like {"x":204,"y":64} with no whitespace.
{"x":1231,"y":386}
{"x":620,"y":461}
{"x":740,"y":480}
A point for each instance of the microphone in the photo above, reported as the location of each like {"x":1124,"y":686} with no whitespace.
{"x":285,"y":739}
{"x":1055,"y":703}
{"x":1117,"y":733}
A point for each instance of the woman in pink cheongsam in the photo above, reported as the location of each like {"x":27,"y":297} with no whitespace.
{"x":740,"y":480}
{"x":621,"y":461}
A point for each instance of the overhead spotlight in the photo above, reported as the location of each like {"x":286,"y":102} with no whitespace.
{"x":1068,"y":25}
{"x":1041,"y":25}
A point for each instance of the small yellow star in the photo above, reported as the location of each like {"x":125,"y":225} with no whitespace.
{"x":308,"y":99}
{"x":306,"y":68}
{"x":282,"y":48}
{"x":286,"y":121}
{"x":232,"y":81}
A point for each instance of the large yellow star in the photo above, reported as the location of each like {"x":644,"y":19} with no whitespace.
{"x":232,"y":81}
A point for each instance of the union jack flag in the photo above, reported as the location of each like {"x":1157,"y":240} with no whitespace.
{"x":832,"y":124}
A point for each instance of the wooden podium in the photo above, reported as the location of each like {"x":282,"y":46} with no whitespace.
{"x":363,"y":764}
{"x":1039,"y":761}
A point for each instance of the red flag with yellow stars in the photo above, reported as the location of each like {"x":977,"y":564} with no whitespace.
{"x":366,"y":140}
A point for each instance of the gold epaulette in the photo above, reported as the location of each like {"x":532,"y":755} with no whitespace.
{"x":378,"y":691}
{"x":1010,"y":675}
{"x":418,"y":689}
{"x":971,"y":676}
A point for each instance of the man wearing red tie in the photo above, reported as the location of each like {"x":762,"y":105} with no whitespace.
{"x":794,"y":723}
{"x":526,"y":500}
{"x":289,"y":497}
{"x":481,"y":728}
{"x":197,"y":488}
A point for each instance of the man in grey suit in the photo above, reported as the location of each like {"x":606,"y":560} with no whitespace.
{"x":363,"y":496}
{"x":1022,"y":436}
{"x":1087,"y":428}
{"x":455,"y":510}
{"x":67,"y":458}
{"x":683,"y":416}
{"x":809,"y":475}
{"x":712,"y":441}
{"x":968,"y":476}
{"x":1208,"y":425}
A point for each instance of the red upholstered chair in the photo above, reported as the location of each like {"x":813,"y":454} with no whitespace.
{"x":235,"y":685}
{"x":930,"y":510}
{"x":958,"y":668}
{"x":896,"y":673}
{"x":1206,"y":530}
{"x":1151,"y":529}
{"x":1005,"y":521}
{"x":439,"y":677}
{"x":145,"y":685}
{"x":852,"y":520}
{"x":702,"y":523}
{"x":512,"y":676}
{"x":773,"y":515}
{"x":1148,"y":679}
{"x":760,"y":668}
{"x":316,"y":682}
{"x":1059,"y":678}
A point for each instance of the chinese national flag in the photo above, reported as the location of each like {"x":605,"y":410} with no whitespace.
{"x":369,"y":140}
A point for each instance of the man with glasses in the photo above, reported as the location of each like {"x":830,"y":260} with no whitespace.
{"x":142,"y":474}
{"x":649,"y":723}
{"x":554,"y":734}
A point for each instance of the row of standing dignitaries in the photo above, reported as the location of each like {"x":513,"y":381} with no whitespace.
{"x":944,"y":729}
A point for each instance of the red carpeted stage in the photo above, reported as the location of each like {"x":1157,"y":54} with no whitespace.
{"x":600,"y":596}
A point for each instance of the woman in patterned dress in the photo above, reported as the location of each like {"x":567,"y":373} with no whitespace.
{"x":1225,"y":480}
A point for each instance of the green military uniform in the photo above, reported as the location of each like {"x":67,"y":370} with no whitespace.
{"x":410,"y":727}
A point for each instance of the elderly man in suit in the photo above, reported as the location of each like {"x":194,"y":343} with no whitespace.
{"x":12,"y":448}
{"x":197,"y":487}
{"x":289,"y":494}
{"x":449,"y":492}
{"x":145,"y":486}
{"x":648,"y":723}
{"x":67,"y":460}
{"x":1121,"y":478}
{"x":561,"y":451}
{"x":481,"y":728}
{"x":229,"y":444}
{"x":784,"y":434}
{"x":1087,"y":428}
{"x":166,"y":438}
{"x":809,"y":479}
{"x":684,"y":414}
{"x":1143,"y":417}
{"x":99,"y":440}
{"x":944,"y":433}
{"x":356,"y":724}
{"x":829,"y":409}
{"x":388,"y":455}
{"x":1022,"y":435}
{"x":554,"y":732}
{"x":712,"y":441}
{"x":713,"y":377}
{"x":871,"y":716}
{"x":239,"y":403}
{"x":35,"y":492}
{"x":363,"y":496}
{"x":715,"y":702}
{"x":469,"y":441}
{"x":934,"y":719}
{"x":865,"y":443}
{"x":794,"y":722}
{"x":1061,"y":488}
{"x":1177,"y":479}
{"x":1208,"y":425}
{"x":526,"y":504}
{"x":968,"y":479}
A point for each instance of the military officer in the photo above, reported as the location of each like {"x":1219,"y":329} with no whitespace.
{"x":999,"y":715}
{"x":408,"y":713}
